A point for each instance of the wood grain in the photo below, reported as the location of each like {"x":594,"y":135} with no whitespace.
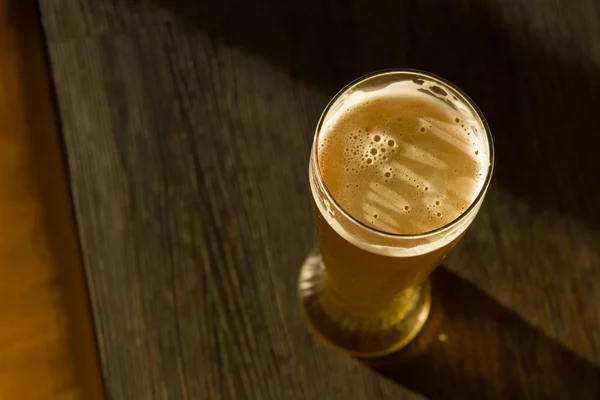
{"x":47,"y":348}
{"x":188,"y":126}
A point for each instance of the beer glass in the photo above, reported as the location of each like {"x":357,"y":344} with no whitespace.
{"x":366,"y":291}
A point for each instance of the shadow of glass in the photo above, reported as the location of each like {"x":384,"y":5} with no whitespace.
{"x":473,"y":347}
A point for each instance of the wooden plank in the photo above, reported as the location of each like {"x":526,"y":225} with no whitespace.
{"x":47,"y":348}
{"x":188,"y":129}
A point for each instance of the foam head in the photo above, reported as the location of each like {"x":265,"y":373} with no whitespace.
{"x":401,"y":159}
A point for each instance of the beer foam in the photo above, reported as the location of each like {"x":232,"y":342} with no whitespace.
{"x":401,"y":160}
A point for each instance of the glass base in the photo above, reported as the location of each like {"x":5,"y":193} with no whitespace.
{"x":359,"y":335}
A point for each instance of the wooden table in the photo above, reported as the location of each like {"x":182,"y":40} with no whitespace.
{"x":187,"y":129}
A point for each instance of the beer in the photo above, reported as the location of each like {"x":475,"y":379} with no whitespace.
{"x":399,"y":167}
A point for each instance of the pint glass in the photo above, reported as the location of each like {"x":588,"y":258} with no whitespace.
{"x":399,"y":167}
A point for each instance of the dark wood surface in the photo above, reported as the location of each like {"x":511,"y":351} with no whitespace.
{"x":187,"y":127}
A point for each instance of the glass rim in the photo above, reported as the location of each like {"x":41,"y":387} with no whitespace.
{"x":417,"y":74}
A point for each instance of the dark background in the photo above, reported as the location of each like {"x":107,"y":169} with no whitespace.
{"x":187,"y":127}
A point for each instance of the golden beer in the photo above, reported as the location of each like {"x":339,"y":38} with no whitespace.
{"x":399,"y":167}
